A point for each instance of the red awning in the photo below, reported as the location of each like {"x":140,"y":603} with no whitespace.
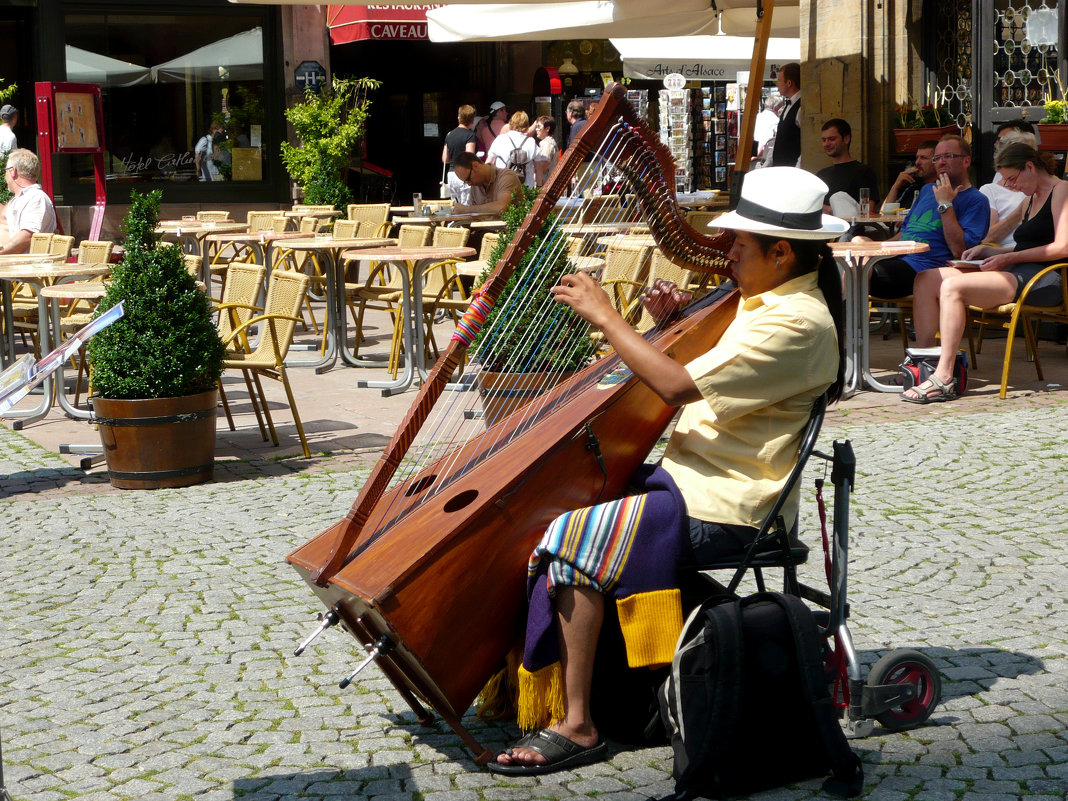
{"x":352,"y":23}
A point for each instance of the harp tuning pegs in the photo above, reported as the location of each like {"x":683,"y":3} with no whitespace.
{"x":331,"y":618}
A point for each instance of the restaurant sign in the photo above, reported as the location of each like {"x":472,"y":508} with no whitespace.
{"x":353,"y":23}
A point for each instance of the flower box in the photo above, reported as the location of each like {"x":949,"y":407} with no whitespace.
{"x":1052,"y":137}
{"x":906,"y":140}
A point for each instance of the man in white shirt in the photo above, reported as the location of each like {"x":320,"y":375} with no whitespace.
{"x":31,"y":210}
{"x":9,"y":118}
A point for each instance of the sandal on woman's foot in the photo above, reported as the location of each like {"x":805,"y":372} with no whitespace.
{"x":933,"y":390}
{"x":560,"y":753}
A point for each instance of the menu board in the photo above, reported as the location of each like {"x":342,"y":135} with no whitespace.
{"x":76,"y":121}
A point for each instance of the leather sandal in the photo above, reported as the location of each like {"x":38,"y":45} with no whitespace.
{"x":560,"y":753}
{"x":933,"y":390}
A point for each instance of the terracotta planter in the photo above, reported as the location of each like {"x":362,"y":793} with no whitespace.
{"x":906,"y":140}
{"x":161,"y":442}
{"x":504,"y":393}
{"x":1053,"y":137}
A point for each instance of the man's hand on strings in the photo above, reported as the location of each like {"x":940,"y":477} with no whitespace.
{"x":586,"y":297}
{"x":663,"y":300}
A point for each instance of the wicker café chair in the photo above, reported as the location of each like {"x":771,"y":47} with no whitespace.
{"x":40,"y":244}
{"x":373,"y":219}
{"x":625,"y":266}
{"x":95,"y":252}
{"x":213,"y":216}
{"x":244,"y":284}
{"x":440,"y":281}
{"x":1009,"y":315}
{"x":285,"y":297}
{"x":262,"y":220}
{"x":659,"y":267}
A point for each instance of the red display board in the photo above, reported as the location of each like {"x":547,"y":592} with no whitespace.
{"x":70,"y":119}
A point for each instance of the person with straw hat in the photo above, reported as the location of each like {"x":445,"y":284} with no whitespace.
{"x":745,"y":403}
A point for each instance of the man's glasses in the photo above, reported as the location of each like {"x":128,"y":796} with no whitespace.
{"x":946,"y":157}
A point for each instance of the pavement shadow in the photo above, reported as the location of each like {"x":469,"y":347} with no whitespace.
{"x":30,"y":482}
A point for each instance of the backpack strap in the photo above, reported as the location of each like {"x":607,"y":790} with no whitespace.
{"x":848,"y":778}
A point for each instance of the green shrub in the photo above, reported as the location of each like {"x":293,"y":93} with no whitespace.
{"x":166,"y":344}
{"x":1055,"y":113}
{"x":541,"y":335}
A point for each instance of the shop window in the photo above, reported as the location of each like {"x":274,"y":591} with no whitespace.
{"x":183,"y":94}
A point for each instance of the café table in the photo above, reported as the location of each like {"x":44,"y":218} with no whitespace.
{"x":856,"y":261}
{"x":192,"y":236}
{"x":705,"y":199}
{"x":587,"y":264}
{"x":38,"y":275}
{"x":8,"y":355}
{"x":447,"y":219}
{"x":411,"y":308}
{"x":888,"y":224}
{"x":330,"y":250}
{"x":259,"y":242}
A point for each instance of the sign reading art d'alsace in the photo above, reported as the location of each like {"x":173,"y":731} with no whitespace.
{"x":352,"y":23}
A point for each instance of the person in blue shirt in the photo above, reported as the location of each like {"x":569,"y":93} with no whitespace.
{"x":950,"y":215}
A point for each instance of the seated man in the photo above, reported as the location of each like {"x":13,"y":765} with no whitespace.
{"x":950,"y":215}
{"x":912,"y":179}
{"x":846,"y":174}
{"x":493,"y":189}
{"x":30,"y":211}
{"x":746,"y":402}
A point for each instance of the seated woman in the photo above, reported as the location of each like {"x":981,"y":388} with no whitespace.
{"x":745,"y":403}
{"x":941,"y":296}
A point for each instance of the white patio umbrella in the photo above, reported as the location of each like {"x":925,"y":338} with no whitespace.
{"x":235,"y":58}
{"x":84,"y":66}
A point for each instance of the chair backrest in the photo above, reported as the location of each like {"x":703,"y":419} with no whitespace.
{"x":192,"y":265}
{"x":437,"y":205}
{"x":376,"y":213}
{"x":61,"y":245}
{"x":312,"y":225}
{"x":285,"y":295}
{"x":602,"y":209}
{"x":280,"y":225}
{"x":346,"y":229}
{"x":262,"y":220}
{"x":95,"y":252}
{"x":451,"y":237}
{"x":40,"y":244}
{"x":213,"y":216}
{"x":244,"y":282}
{"x":701,"y":219}
{"x":624,"y":261}
{"x":489,"y":242}
{"x":413,"y":236}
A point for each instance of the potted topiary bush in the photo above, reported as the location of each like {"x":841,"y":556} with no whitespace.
{"x":156,"y":370}
{"x":543,"y":342}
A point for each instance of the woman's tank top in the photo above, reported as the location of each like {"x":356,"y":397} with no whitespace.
{"x":1036,"y":231}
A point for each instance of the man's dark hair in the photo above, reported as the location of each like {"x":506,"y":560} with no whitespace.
{"x":929,"y":144}
{"x":1016,"y":125}
{"x":792,"y":72}
{"x":843,"y":127}
{"x":465,"y":159}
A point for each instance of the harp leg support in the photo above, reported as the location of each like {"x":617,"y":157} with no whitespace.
{"x":383,"y":645}
{"x":331,"y":618}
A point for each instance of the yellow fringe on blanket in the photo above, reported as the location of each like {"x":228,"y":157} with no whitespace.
{"x":651,"y":623}
{"x":541,"y":697}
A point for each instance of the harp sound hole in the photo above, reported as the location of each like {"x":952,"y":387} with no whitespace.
{"x":420,"y":485}
{"x":458,"y":502}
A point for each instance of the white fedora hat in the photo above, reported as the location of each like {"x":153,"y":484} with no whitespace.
{"x":785,"y":202}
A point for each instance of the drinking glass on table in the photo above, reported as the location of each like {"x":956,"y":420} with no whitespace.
{"x":865,"y":202}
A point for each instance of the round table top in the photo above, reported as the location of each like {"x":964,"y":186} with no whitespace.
{"x":886,"y":219}
{"x":38,"y":271}
{"x":627,"y":241}
{"x":254,"y":236}
{"x":868,"y":249}
{"x":426,"y":219}
{"x":410,"y":254}
{"x":82,"y":290}
{"x":28,"y":258}
{"x":180,"y":227}
{"x":322,"y":214}
{"x":600,"y":228}
{"x":329,"y":243}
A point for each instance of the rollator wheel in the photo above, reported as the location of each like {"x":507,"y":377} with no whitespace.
{"x":906,"y":666}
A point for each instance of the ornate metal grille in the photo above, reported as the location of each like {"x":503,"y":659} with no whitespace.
{"x":952,"y":67}
{"x":1025,"y":53}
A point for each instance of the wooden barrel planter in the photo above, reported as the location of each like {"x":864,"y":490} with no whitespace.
{"x":504,"y":393}
{"x":160,"y":442}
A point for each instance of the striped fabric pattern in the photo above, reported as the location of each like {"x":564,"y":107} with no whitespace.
{"x":589,"y":547}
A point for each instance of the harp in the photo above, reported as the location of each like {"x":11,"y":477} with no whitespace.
{"x":427,"y":569}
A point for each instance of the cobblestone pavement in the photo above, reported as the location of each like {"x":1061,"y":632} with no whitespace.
{"x":146,"y":638}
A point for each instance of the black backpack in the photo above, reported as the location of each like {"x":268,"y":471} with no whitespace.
{"x":747,"y":704}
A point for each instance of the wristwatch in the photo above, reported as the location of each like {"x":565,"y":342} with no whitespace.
{"x":944,"y":207}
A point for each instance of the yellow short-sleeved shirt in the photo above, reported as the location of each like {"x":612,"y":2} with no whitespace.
{"x":731,"y":452}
